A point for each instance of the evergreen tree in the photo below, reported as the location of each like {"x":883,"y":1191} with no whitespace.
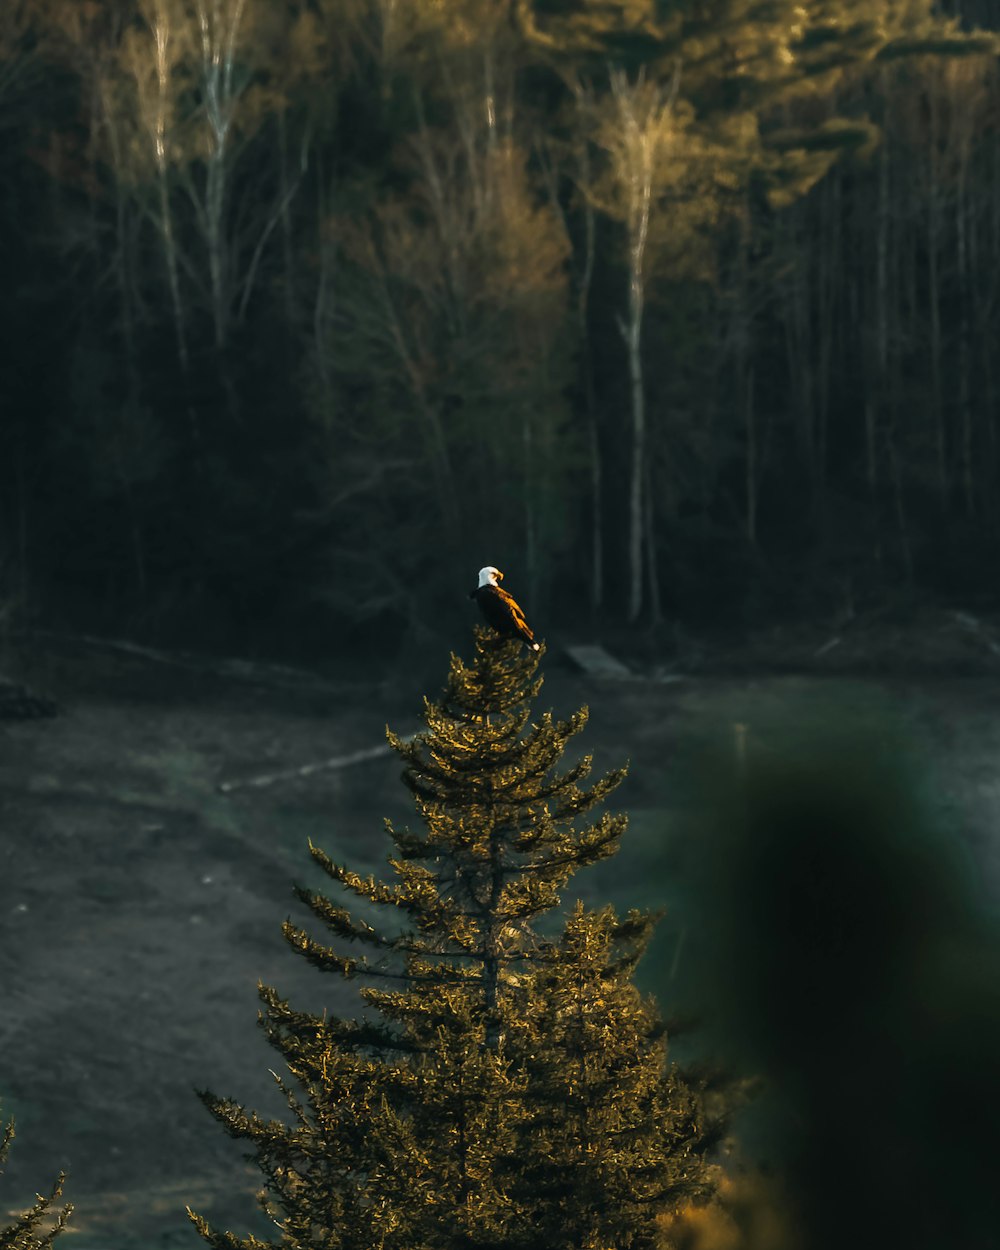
{"x":608,"y":1135}
{"x":38,"y":1227}
{"x":507,"y":1086}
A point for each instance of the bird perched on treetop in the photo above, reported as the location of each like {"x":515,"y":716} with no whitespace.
{"x":500,"y":609}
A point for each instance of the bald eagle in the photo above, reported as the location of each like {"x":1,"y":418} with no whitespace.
{"x":500,"y":609}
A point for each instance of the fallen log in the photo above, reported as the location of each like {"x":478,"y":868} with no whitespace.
{"x":254,"y":671}
{"x":307,"y":770}
{"x":827,"y":647}
{"x":595,"y":661}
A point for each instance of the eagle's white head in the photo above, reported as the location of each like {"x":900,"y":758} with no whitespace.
{"x":489,"y":576}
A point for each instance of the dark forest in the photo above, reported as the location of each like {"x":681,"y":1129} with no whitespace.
{"x":676,"y":311}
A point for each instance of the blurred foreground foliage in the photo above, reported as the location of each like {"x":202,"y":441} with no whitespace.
{"x":852,"y":963}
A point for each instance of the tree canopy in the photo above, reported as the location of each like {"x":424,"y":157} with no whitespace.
{"x":626,"y":291}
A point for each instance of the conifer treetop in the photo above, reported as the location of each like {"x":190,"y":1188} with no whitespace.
{"x":500,"y":837}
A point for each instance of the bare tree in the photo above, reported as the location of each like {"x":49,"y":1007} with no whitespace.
{"x":156,"y":90}
{"x":206,"y":78}
{"x":447,"y":326}
{"x":219,"y":24}
{"x":637,"y":137}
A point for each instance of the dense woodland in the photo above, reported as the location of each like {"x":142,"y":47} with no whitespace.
{"x":673,"y":310}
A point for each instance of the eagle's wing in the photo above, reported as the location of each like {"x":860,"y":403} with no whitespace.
{"x":517,"y":615}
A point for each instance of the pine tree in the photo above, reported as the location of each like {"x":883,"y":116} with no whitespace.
{"x":608,"y":1134}
{"x":38,"y":1227}
{"x":507,"y":1085}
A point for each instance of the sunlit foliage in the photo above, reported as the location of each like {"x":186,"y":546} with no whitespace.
{"x":507,"y":1085}
{"x":38,"y":1227}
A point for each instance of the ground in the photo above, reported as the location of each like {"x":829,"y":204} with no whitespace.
{"x":140,"y":904}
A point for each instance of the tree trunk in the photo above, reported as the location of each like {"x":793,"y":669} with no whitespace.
{"x":934,"y":300}
{"x":170,"y":256}
{"x":798,"y":340}
{"x":161,"y":38}
{"x":637,"y":155}
{"x":882,"y":261}
{"x":632,"y":333}
{"x":218,"y":43}
{"x":23,"y":579}
{"x":751,"y":458}
{"x":906,"y":547}
{"x":826,"y":294}
{"x":593,"y":430}
{"x":287,"y":195}
{"x":963,"y":225}
{"x":652,"y":554}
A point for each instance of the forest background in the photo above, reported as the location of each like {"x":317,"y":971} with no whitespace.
{"x":674,"y":311}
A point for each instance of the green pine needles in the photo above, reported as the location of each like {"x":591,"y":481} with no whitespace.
{"x":37,"y":1228}
{"x":507,"y":1085}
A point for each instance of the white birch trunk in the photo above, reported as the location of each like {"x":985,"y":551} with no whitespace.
{"x":593,"y":433}
{"x":643,"y":116}
{"x":161,"y":38}
{"x":632,"y":334}
{"x":219,"y":24}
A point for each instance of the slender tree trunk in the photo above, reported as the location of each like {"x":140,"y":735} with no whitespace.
{"x":906,"y":547}
{"x":984,"y":264}
{"x":597,"y":511}
{"x":593,"y":430}
{"x":170,"y":256}
{"x":161,"y":38}
{"x":321,"y":299}
{"x":990,"y":469}
{"x":128,"y":413}
{"x":138,"y":545}
{"x":492,"y":933}
{"x":828,"y":272}
{"x":934,"y":299}
{"x":882,"y":270}
{"x":743,"y":381}
{"x":871,"y":444}
{"x":219,"y":34}
{"x":798,"y":341}
{"x":632,"y":334}
{"x":878,"y":384}
{"x":631,"y":331}
{"x":652,"y":553}
{"x":215,"y":243}
{"x":643,"y":119}
{"x":751,"y":457}
{"x":287,"y":248}
{"x":995,"y":198}
{"x":123,"y":250}
{"x":963,"y":224}
{"x":23,"y":579}
{"x":876,"y":403}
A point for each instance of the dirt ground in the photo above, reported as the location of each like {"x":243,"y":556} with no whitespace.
{"x":140,"y":904}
